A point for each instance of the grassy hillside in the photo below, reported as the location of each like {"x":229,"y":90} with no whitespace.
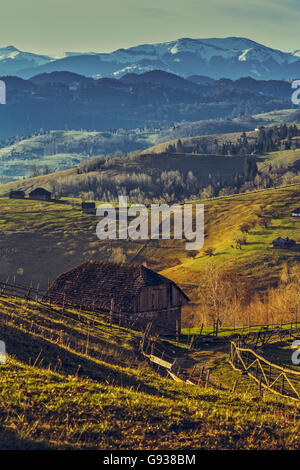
{"x":274,"y":117}
{"x":58,"y":392}
{"x":63,"y":149}
{"x":151,"y":176}
{"x":40,"y":240}
{"x":210,"y":139}
{"x":257,"y":259}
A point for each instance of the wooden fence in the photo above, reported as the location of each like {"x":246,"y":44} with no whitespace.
{"x":153,"y":350}
{"x":266,"y":335}
{"x":277,"y":379}
{"x":270,"y":376}
{"x":109,"y":315}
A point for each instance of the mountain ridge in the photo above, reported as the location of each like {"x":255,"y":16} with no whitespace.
{"x":231,"y":57}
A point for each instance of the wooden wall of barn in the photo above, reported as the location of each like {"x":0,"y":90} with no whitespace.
{"x":160,"y":304}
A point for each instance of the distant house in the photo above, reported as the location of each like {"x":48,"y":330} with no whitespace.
{"x":17,"y":194}
{"x":296,"y":213}
{"x":283,"y":242}
{"x":40,"y":194}
{"x":88,"y":207}
{"x":130,"y":294}
{"x":296,"y":142}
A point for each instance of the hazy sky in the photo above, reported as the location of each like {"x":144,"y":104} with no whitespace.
{"x":54,"y":26}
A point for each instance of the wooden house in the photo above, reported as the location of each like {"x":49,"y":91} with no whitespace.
{"x":296,"y":213}
{"x":283,"y":242}
{"x":88,"y":208}
{"x":17,"y":194}
{"x":129,"y":294}
{"x":40,"y":194}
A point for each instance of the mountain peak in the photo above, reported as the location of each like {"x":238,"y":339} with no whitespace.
{"x":230,"y":57}
{"x":9,"y":48}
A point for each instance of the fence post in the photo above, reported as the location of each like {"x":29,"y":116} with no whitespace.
{"x":282,"y":385}
{"x":260,"y":387}
{"x":37,"y":292}
{"x":63,"y":305}
{"x":207,"y":377}
{"x":234,"y":386}
{"x":27,"y":295}
{"x":192,"y":372}
{"x":111,"y":312}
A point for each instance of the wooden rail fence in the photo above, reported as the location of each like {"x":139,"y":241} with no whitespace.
{"x":270,"y":376}
{"x":151,"y":349}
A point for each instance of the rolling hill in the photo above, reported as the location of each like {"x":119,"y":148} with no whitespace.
{"x":57,"y":235}
{"x":63,"y":149}
{"x":61,"y":100}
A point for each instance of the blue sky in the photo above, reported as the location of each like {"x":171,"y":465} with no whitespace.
{"x":54,"y":26}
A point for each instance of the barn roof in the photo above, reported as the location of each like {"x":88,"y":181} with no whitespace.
{"x":296,"y":211}
{"x":103,"y":281}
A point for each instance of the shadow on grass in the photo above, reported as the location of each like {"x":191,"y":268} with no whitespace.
{"x":255,"y":243}
{"x":41,"y":353}
{"x":9,"y":440}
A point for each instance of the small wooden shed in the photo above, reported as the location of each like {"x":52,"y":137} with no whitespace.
{"x":17,"y":194}
{"x":296,"y":213}
{"x":40,"y":194}
{"x":129,"y":294}
{"x":283,"y":242}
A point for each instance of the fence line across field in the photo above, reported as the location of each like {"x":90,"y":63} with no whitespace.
{"x":121,"y":318}
{"x":273,"y":377}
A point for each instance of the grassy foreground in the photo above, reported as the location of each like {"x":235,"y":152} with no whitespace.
{"x":40,"y":407}
{"x":57,"y":391}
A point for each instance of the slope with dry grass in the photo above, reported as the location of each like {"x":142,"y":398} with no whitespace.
{"x":56,"y":395}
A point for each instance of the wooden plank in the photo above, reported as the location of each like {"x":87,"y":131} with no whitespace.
{"x":161,"y":362}
{"x":174,"y":377}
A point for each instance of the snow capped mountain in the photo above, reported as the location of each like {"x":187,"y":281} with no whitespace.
{"x":230,"y":57}
{"x":9,"y":52}
{"x":13,"y":61}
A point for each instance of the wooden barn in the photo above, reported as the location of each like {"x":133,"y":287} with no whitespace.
{"x":129,"y":294}
{"x":40,"y":194}
{"x":17,"y":194}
